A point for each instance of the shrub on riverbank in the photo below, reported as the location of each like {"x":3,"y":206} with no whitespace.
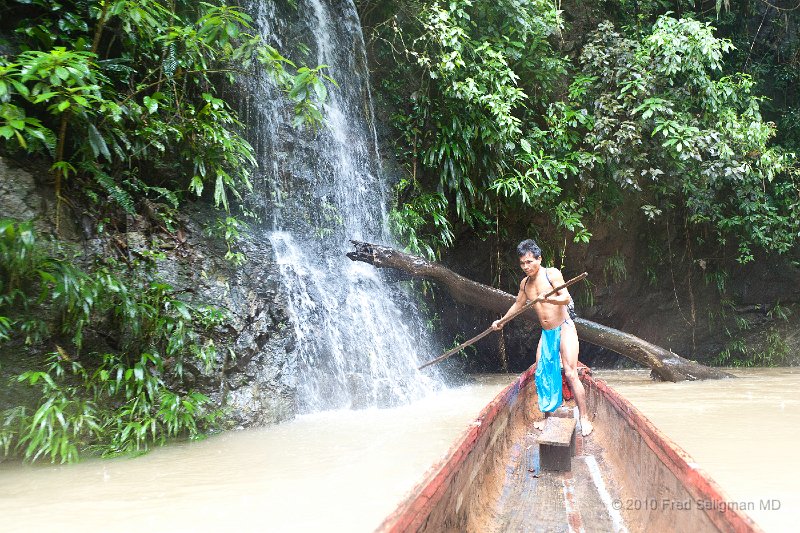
{"x":113,"y":342}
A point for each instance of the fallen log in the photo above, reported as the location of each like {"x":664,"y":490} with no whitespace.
{"x":664,"y":364}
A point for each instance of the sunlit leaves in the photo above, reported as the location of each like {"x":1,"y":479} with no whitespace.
{"x":26,"y":132}
{"x":686,"y":46}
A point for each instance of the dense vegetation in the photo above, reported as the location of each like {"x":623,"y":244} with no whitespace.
{"x":120,"y":399}
{"x":514,"y":119}
{"x":493,"y":121}
{"x":125,"y":99}
{"x":128,"y":104}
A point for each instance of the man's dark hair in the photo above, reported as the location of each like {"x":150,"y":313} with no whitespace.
{"x":529,"y":245}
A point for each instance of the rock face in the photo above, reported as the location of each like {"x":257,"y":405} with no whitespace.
{"x":21,"y":198}
{"x":256,"y":379}
{"x":18,"y":193}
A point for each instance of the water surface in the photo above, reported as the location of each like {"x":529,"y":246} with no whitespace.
{"x":346,"y":470}
{"x":324,"y":472}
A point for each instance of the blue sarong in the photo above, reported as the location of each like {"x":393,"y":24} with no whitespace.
{"x":548,"y":372}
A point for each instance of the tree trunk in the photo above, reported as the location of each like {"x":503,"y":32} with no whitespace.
{"x":664,"y":364}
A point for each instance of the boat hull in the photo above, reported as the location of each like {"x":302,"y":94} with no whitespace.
{"x":490,"y":479}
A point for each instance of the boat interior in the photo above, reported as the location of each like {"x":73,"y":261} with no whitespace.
{"x":625,"y":476}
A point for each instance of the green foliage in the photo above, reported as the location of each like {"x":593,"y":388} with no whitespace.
{"x":229,"y":229}
{"x":305,"y":88}
{"x":16,"y":128}
{"x":126,"y":98}
{"x":472,"y":82}
{"x":662,"y":114}
{"x":584,"y":296}
{"x":615,"y":269}
{"x":653,"y":115}
{"x":774,"y":351}
{"x":22,"y":266}
{"x":669,"y":126}
{"x":770,"y":350}
{"x":124,"y":391}
{"x":410,"y":220}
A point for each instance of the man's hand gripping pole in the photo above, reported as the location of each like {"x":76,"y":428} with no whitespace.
{"x":507,"y":319}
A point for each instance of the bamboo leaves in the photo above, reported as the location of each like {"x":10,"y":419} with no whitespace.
{"x":117,"y":401}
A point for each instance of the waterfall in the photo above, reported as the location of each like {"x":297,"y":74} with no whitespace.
{"x":360,"y":339}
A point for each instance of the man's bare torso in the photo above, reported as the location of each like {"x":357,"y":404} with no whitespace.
{"x":550,"y":316}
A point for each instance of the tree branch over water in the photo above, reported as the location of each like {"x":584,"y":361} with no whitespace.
{"x":664,"y":364}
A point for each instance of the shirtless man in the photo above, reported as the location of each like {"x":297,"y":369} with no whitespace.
{"x":558,"y":329}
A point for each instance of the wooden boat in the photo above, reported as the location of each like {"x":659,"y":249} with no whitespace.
{"x":626,"y":476}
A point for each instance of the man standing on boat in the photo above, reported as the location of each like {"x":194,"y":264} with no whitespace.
{"x":558,"y":345}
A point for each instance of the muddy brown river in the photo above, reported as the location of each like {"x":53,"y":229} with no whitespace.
{"x":346,"y":470}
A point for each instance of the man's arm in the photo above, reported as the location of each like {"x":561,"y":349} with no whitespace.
{"x":562,"y":297}
{"x":516,"y":306}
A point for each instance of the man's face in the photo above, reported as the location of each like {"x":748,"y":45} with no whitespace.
{"x":529,"y":264}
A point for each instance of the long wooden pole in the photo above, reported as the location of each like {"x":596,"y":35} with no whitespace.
{"x":507,"y":319}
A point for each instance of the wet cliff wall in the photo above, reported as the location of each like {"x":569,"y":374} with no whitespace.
{"x":255,"y":379}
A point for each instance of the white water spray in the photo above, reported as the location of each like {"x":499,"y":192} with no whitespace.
{"x":359,"y":338}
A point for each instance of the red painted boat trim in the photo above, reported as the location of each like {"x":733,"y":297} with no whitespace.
{"x":411,"y":514}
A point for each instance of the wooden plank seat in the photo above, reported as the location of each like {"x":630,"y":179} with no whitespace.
{"x":557,"y":444}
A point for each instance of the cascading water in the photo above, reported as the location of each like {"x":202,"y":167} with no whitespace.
{"x":359,"y":338}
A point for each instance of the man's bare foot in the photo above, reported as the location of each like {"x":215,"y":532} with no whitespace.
{"x":539,"y":424}
{"x":586,"y":427}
